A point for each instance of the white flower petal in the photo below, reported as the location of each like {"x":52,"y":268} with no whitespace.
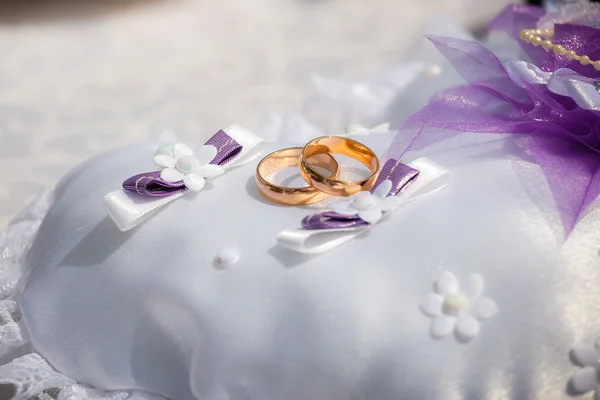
{"x":342,"y":207}
{"x":194,"y":182}
{"x":584,"y":356}
{"x":164,"y":161}
{"x":371,"y":216}
{"x":165,"y":150}
{"x":359,"y":196}
{"x":391,"y":202}
{"x":210,"y":170}
{"x":206,"y":154}
{"x":171,"y":175}
{"x":442,"y":325}
{"x":383,"y":189}
{"x":381,"y":128}
{"x":446,"y":283}
{"x":584,"y":380}
{"x":181,"y":150}
{"x":432,"y":306}
{"x":484,"y":308}
{"x":476,"y":286}
{"x":467,"y":327}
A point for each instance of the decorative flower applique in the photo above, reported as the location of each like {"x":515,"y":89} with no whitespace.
{"x":360,"y":130}
{"x":369,"y":207}
{"x":454,"y":310}
{"x":587,"y":379}
{"x":180,"y":164}
{"x":397,"y":184}
{"x":181,"y":171}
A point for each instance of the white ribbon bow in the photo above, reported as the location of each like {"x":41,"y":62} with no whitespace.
{"x":432,"y":178}
{"x":128,"y":209}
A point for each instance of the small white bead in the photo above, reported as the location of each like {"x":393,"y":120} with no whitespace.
{"x":226,"y":257}
{"x":433,"y":70}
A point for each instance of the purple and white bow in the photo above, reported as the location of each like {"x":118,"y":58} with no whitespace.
{"x":397,"y":185}
{"x":181,"y":171}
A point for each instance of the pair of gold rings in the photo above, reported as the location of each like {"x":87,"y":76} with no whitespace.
{"x":316,"y":154}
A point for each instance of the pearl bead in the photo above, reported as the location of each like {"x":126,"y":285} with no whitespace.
{"x":570,"y":54}
{"x":535,"y":37}
{"x":558,"y":49}
{"x":547,"y":44}
{"x":525,"y":35}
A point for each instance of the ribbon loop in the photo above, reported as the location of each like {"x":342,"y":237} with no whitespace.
{"x":324,"y":233}
{"x":144,"y":194}
{"x":150,"y":184}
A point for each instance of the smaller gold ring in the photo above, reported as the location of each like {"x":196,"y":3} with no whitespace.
{"x":291,"y":195}
{"x":343,"y":146}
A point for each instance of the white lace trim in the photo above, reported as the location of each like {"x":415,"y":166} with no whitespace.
{"x":11,"y":332}
{"x":24,"y":374}
{"x":30,"y":377}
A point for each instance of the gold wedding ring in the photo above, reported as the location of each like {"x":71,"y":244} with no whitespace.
{"x":343,"y":146}
{"x":290,"y":158}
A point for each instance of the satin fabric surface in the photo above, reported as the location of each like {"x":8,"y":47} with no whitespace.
{"x":147,"y":309}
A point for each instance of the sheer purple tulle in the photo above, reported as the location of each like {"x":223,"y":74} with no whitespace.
{"x":515,"y":18}
{"x":562,"y":138}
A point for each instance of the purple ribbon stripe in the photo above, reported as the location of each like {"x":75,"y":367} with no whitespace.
{"x":400,"y":174}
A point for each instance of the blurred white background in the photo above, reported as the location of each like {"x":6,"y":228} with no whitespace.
{"x":80,"y":77}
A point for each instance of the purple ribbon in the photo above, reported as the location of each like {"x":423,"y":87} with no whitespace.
{"x":227,"y":148}
{"x":150,"y":183}
{"x":401,"y":176}
{"x":332,"y":220}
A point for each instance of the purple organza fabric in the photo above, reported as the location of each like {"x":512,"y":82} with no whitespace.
{"x":561,"y":137}
{"x":515,"y":18}
{"x":585,"y":40}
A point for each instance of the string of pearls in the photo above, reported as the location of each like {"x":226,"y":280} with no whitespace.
{"x":538,"y":37}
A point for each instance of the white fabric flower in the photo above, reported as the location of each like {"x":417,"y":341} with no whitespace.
{"x":359,"y":130}
{"x":454,"y":310}
{"x":369,"y":207}
{"x":587,"y":379}
{"x":180,"y":164}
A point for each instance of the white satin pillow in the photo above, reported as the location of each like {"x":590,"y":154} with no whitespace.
{"x":147,"y":309}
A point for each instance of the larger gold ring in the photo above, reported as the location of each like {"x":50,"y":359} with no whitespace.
{"x":290,"y":195}
{"x":344,"y":146}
